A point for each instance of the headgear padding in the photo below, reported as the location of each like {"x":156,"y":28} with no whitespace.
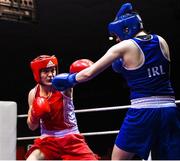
{"x":126,"y":24}
{"x":41,"y":62}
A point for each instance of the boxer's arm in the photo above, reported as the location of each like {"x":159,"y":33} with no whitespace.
{"x":64,"y":81}
{"x":120,"y":50}
{"x":68,"y":80}
{"x":164,"y":47}
{"x":39,"y":108}
{"x":33,"y":125}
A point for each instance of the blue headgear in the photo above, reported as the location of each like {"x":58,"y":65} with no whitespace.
{"x":126,"y":24}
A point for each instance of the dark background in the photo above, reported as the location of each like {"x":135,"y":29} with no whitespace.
{"x":74,"y":29}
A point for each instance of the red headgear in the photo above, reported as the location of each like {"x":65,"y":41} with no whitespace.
{"x":42,"y":61}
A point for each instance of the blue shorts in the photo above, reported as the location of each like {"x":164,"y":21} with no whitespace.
{"x":153,"y":129}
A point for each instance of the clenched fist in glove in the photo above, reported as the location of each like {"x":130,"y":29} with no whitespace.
{"x":79,"y":65}
{"x":68,"y":80}
{"x":40,"y":109}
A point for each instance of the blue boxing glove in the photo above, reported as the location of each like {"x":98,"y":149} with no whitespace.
{"x":117,"y":65}
{"x":64,"y":81}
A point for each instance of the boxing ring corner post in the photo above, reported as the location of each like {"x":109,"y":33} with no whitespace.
{"x":8,"y":130}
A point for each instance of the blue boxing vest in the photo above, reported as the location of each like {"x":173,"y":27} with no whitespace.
{"x":152,"y":77}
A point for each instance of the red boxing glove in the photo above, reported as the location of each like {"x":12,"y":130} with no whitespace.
{"x":79,"y":65}
{"x":40,"y":109}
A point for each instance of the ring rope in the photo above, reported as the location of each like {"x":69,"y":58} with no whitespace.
{"x":88,"y":110}
{"x":97,"y":109}
{"x":84,"y":134}
{"x":92,"y":110}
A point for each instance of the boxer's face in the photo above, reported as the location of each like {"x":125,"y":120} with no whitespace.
{"x":47,"y":74}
